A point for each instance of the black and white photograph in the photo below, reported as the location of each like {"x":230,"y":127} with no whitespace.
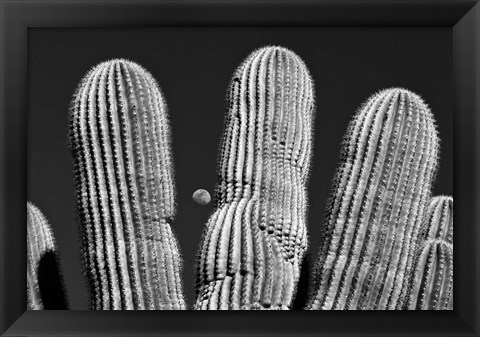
{"x":186,"y":164}
{"x":242,"y":169}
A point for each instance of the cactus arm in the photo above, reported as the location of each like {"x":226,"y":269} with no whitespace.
{"x":255,"y":240}
{"x":379,"y":194}
{"x":432,"y":287}
{"x":39,"y":241}
{"x":45,"y":287}
{"x":439,"y":219}
{"x":437,"y":237}
{"x":119,"y":136}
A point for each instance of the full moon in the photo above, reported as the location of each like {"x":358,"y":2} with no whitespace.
{"x":201,"y":197}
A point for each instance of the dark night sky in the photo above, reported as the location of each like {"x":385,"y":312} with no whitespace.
{"x":193,"y":66}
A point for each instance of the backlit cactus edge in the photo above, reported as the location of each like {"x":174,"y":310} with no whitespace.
{"x":387,"y":245}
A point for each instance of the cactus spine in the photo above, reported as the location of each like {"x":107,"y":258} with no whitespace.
{"x":255,"y":240}
{"x":119,"y":137}
{"x":45,"y":289}
{"x":379,"y":196}
{"x":432,"y":288}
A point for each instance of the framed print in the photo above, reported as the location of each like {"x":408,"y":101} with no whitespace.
{"x":188,"y":164}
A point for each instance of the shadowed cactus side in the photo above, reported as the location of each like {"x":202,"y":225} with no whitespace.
{"x":119,"y":137}
{"x":432,"y":288}
{"x":255,"y":240}
{"x":380,"y":193}
{"x":45,"y":288}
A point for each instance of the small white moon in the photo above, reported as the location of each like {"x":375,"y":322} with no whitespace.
{"x":201,"y":197}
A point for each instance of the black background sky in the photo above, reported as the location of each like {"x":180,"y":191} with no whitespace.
{"x":193,"y":65}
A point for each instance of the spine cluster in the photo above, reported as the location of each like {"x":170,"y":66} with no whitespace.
{"x":380,"y":193}
{"x":255,"y":240}
{"x":45,"y":289}
{"x":119,"y":135}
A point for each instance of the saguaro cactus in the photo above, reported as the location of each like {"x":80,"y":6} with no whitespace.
{"x":256,"y":238}
{"x":45,"y":287}
{"x":439,"y":219}
{"x":379,"y":196}
{"x":432,"y":288}
{"x":119,"y":137}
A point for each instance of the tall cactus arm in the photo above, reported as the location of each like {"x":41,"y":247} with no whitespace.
{"x":119,"y":137}
{"x":432,"y":286}
{"x":379,"y":196}
{"x":256,"y":238}
{"x":45,"y":287}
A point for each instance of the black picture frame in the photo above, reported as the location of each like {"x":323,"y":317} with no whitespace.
{"x":17,"y":16}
